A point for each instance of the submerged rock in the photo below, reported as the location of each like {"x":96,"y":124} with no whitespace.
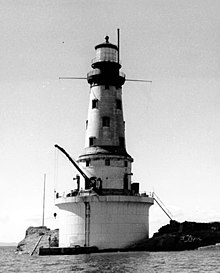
{"x":36,"y":237}
{"x":182,"y":236}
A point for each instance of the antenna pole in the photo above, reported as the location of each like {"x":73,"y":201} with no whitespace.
{"x":44,"y":200}
{"x":133,"y":80}
{"x":72,"y":78}
{"x":118,"y":31}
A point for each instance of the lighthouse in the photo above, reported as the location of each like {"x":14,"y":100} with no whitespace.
{"x":105,"y":154}
{"x":106,"y":209}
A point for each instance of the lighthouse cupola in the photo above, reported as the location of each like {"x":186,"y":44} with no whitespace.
{"x":106,"y":66}
{"x":105,"y":154}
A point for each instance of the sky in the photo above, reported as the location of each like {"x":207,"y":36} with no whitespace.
{"x":172,"y":124}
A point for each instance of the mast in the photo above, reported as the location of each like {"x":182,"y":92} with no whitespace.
{"x":118,"y":36}
{"x":44,"y":200}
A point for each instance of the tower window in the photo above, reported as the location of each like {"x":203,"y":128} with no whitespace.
{"x":87,"y":124}
{"x":87,"y":163}
{"x":106,"y":121}
{"x":91,"y":141}
{"x":118,"y":104}
{"x":121,"y":142}
{"x":126,"y":163}
{"x":94,"y":103}
{"x":107,"y":162}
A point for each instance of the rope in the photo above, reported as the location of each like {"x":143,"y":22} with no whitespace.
{"x":55,"y":169}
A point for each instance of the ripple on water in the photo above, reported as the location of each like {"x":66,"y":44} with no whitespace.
{"x":153,"y":262}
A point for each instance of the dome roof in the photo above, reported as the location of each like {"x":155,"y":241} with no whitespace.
{"x":106,"y":44}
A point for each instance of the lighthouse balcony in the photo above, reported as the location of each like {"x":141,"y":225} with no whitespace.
{"x":97,"y":71}
{"x":142,"y":198}
{"x":96,"y":76}
{"x":105,"y":192}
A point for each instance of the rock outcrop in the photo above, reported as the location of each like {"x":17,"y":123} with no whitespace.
{"x":182,"y":236}
{"x":172,"y":237}
{"x":37,"y":237}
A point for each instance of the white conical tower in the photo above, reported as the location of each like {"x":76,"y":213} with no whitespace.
{"x":105,"y":155}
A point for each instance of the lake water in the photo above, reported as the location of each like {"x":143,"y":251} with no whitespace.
{"x":153,"y":262}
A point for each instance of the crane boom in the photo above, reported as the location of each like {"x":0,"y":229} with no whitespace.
{"x":73,"y":162}
{"x":90,"y":182}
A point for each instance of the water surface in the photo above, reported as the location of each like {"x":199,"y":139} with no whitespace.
{"x":152,"y":262}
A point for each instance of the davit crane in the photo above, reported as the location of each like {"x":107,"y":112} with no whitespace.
{"x":90,"y":182}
